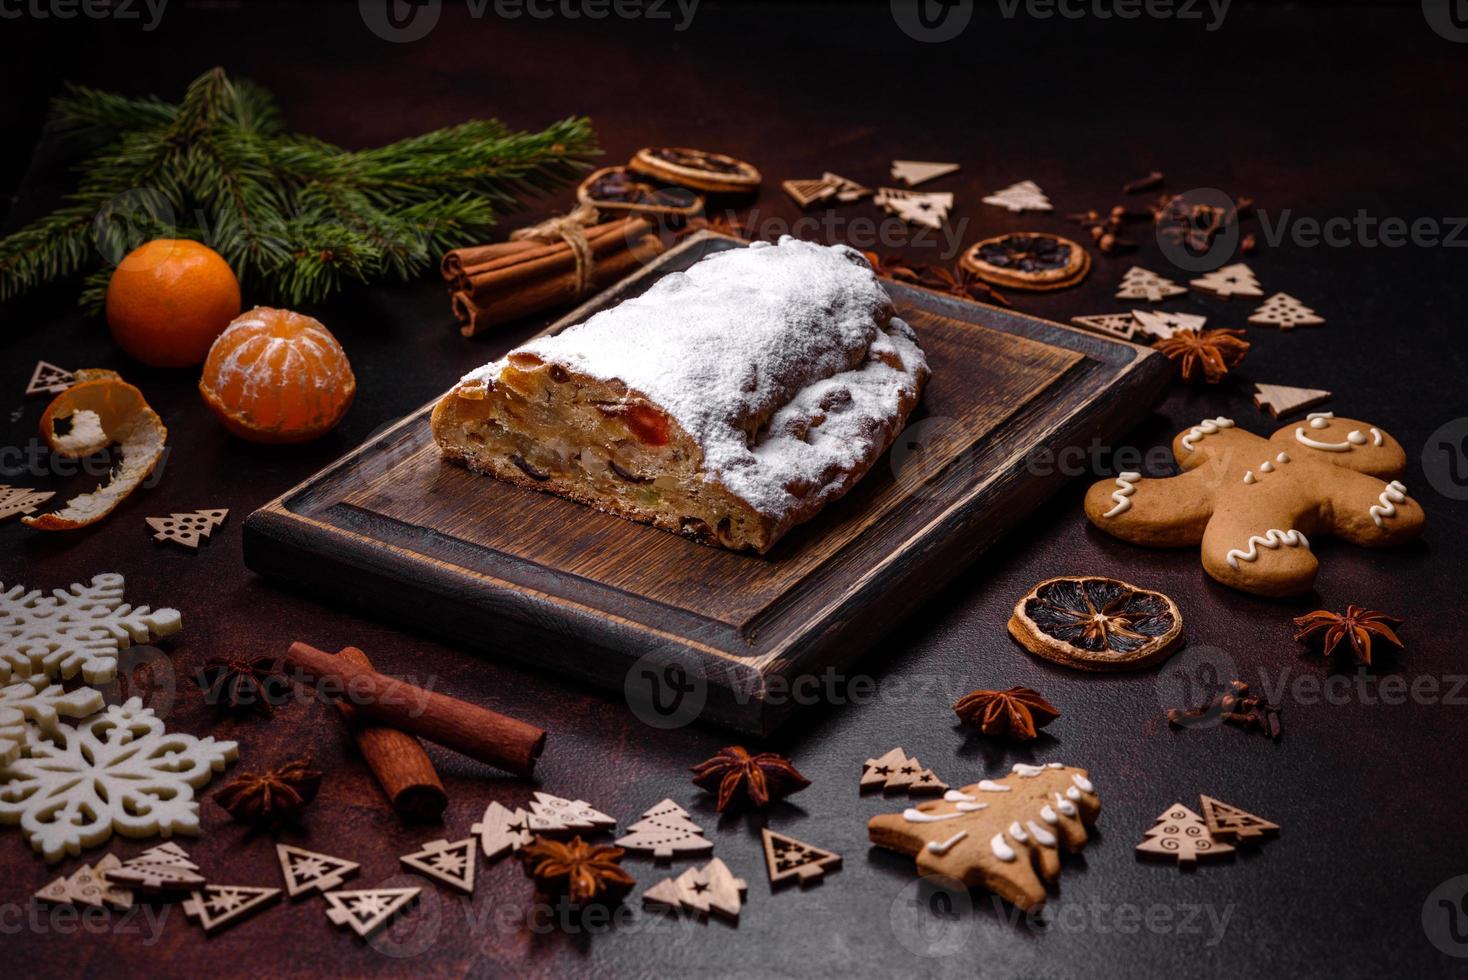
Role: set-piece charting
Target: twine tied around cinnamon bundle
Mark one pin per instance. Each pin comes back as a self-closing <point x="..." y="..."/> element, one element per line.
<point x="570" y="228"/>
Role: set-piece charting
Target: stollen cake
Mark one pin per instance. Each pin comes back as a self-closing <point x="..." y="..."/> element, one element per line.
<point x="727" y="403"/>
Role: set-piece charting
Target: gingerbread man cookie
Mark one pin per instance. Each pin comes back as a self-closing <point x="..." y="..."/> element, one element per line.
<point x="1255" y="504"/>
<point x="1004" y="835"/>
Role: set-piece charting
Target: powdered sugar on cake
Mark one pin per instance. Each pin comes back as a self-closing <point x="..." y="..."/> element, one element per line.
<point x="784" y="363"/>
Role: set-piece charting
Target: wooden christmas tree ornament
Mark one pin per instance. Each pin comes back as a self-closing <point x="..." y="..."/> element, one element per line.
<point x="551" y="814"/>
<point x="449" y="863"/>
<point x="55" y="893"/>
<point x="914" y="172"/>
<point x="165" y="868"/>
<point x="895" y="772"/>
<point x="1140" y="283"/>
<point x="914" y="207"/>
<point x="808" y="192"/>
<point x="788" y="859"/>
<point x="115" y="896"/>
<point x="1161" y="326"/>
<point x="367" y="910"/>
<point x="85" y="887"/>
<point x="307" y="871"/>
<point x="217" y="906"/>
<point x="1230" y="281"/>
<point x="666" y="830"/>
<point x="187" y="529"/>
<point x="1227" y="822"/>
<point x="1284" y="311"/>
<point x="1121" y="325"/>
<point x="847" y="191"/>
<point x="1280" y="400"/>
<point x="15" y="501"/>
<point x="502" y="830"/>
<point x="48" y="379"/>
<point x="1181" y="834"/>
<point x="711" y="888"/>
<point x="1024" y="196"/>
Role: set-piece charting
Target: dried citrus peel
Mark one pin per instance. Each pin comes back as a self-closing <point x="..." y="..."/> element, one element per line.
<point x="102" y="411"/>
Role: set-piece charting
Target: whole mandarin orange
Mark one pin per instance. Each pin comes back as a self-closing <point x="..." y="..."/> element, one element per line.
<point x="277" y="376"/>
<point x="168" y="299"/>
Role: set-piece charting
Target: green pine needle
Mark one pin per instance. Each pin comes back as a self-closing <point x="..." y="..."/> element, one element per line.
<point x="296" y="218"/>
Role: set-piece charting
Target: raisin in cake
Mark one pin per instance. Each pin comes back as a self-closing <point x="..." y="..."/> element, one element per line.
<point x="728" y="403"/>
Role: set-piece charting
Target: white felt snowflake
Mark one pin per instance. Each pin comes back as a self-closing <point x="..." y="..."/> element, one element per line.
<point x="118" y="770"/>
<point x="80" y="629"/>
<point x="41" y="704"/>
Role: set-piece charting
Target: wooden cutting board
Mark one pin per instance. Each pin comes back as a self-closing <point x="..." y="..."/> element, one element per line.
<point x="686" y="632"/>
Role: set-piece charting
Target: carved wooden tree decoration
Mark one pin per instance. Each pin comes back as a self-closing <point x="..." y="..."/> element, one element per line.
<point x="187" y="529"/>
<point x="788" y="859"/>
<point x="15" y="501"/>
<point x="914" y="172"/>
<point x="916" y="207"/>
<point x="450" y="863"/>
<point x="502" y="830"/>
<point x="1024" y="196"/>
<point x="1227" y="822"/>
<point x="1140" y="283"/>
<point x="1122" y="325"/>
<point x="1284" y="311"/>
<point x="217" y="906"/>
<point x="551" y="814"/>
<point x="307" y="871"/>
<point x="666" y="830"/>
<point x="1181" y="834"/>
<point x="895" y="772"/>
<point x="846" y="190"/>
<point x="1160" y="326"/>
<point x="810" y="191"/>
<point x="711" y="888"/>
<point x="367" y="910"/>
<point x="48" y="379"/>
<point x="1254" y="504"/>
<point x="1230" y="281"/>
<point x="1004" y="835"/>
<point x="1281" y="400"/>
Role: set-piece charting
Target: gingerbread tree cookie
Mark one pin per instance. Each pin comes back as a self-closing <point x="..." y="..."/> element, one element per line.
<point x="1254" y="504"/>
<point x="1004" y="835"/>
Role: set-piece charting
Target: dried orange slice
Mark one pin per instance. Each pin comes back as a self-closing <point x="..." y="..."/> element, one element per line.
<point x="87" y="418"/>
<point x="1094" y="623"/>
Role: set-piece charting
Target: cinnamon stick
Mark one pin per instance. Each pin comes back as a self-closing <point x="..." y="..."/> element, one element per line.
<point x="477" y="732"/>
<point x="462" y="264"/>
<point x="504" y="296"/>
<point x="397" y="759"/>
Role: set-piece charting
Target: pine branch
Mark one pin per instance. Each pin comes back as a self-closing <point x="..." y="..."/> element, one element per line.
<point x="296" y="217"/>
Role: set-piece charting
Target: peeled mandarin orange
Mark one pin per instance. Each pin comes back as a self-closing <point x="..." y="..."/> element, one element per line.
<point x="277" y="376"/>
<point x="168" y="299"/>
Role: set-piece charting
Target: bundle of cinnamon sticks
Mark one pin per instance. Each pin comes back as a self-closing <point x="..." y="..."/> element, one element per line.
<point x="494" y="284"/>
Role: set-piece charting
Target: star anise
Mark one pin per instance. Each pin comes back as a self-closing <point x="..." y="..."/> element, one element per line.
<point x="1017" y="712"/>
<point x="762" y="777"/>
<point x="1357" y="626"/>
<point x="893" y="267"/>
<point x="1205" y="353"/>
<point x="243" y="683"/>
<point x="582" y="872"/>
<point x="270" y="798"/>
<point x="960" y="282"/>
<point x="727" y="223"/>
